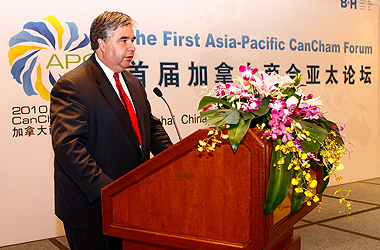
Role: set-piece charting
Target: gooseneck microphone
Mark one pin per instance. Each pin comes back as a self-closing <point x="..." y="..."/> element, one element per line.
<point x="158" y="93"/>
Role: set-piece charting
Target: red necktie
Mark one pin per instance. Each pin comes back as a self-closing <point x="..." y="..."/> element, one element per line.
<point x="129" y="107"/>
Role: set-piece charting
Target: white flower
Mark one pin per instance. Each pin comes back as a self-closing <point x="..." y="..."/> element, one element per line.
<point x="267" y="85"/>
<point x="299" y="92"/>
<point x="292" y="100"/>
<point x="312" y="102"/>
<point x="285" y="81"/>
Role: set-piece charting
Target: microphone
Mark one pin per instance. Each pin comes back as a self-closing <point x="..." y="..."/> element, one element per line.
<point x="158" y="93"/>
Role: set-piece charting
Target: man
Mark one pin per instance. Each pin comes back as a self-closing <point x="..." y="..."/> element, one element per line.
<point x="97" y="134"/>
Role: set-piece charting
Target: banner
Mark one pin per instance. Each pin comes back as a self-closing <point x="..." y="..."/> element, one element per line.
<point x="182" y="47"/>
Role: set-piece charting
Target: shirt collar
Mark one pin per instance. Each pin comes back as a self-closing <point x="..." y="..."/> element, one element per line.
<point x="107" y="71"/>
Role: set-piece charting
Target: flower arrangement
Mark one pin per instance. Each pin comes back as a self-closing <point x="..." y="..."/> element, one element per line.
<point x="303" y="139"/>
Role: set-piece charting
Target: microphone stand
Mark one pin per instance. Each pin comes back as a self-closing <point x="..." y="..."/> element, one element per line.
<point x="158" y="92"/>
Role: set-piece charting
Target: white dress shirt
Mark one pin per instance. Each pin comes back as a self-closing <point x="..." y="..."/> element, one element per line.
<point x="109" y="73"/>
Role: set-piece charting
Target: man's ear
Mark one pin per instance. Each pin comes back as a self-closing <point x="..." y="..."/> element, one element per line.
<point x="101" y="44"/>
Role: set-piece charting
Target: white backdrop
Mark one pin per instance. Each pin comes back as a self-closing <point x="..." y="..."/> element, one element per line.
<point x="174" y="34"/>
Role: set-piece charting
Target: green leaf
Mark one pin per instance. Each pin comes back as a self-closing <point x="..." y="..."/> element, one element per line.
<point x="236" y="132"/>
<point x="217" y="119"/>
<point x="329" y="126"/>
<point x="291" y="92"/>
<point x="247" y="115"/>
<point x="209" y="100"/>
<point x="279" y="180"/>
<point x="212" y="112"/>
<point x="263" y="107"/>
<point x="233" y="117"/>
<point x="296" y="201"/>
<point x="317" y="135"/>
<point x="314" y="165"/>
<point x="228" y="116"/>
<point x="323" y="184"/>
<point x="297" y="79"/>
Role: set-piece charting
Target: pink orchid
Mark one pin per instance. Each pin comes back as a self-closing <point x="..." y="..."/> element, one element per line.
<point x="232" y="89"/>
<point x="247" y="72"/>
<point x="220" y="91"/>
<point x="286" y="135"/>
<point x="245" y="84"/>
<point x="277" y="104"/>
<point x="311" y="112"/>
<point x="253" y="104"/>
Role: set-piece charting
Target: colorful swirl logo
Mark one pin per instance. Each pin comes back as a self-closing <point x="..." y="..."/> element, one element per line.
<point x="36" y="42"/>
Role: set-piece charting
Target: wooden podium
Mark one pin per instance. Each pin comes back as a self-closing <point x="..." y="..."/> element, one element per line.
<point x="186" y="199"/>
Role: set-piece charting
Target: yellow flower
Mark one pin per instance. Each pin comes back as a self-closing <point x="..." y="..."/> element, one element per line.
<point x="348" y="192"/>
<point x="295" y="181"/>
<point x="285" y="150"/>
<point x="281" y="161"/>
<point x="338" y="178"/>
<point x="332" y="160"/>
<point x="328" y="176"/>
<point x="290" y="144"/>
<point x="313" y="184"/>
<point x="210" y="132"/>
<point x="315" y="199"/>
<point x="340" y="167"/>
<point x="337" y="191"/>
<point x="307" y="176"/>
<point x="306" y="164"/>
<point x="260" y="127"/>
<point x="348" y="204"/>
<point x="308" y="193"/>
<point x="224" y="136"/>
<point x="304" y="156"/>
<point x="308" y="203"/>
<point x="298" y="190"/>
<point x="290" y="166"/>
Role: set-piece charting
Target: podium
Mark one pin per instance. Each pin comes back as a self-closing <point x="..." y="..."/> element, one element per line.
<point x="186" y="199"/>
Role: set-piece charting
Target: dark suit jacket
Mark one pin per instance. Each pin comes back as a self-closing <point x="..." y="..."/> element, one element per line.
<point x="94" y="142"/>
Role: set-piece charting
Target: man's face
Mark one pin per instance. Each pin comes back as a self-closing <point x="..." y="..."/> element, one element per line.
<point x="118" y="52"/>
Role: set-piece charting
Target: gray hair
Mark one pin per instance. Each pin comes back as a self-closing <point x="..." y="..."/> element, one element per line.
<point x="105" y="23"/>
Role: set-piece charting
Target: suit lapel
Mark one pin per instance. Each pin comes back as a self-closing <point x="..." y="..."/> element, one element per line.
<point x="113" y="99"/>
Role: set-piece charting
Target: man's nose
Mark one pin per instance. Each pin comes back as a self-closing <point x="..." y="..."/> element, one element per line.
<point x="132" y="47"/>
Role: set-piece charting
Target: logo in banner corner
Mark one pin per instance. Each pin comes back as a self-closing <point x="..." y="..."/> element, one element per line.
<point x="357" y="4"/>
<point x="42" y="52"/>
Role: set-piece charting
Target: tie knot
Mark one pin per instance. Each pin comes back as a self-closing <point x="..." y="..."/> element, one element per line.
<point x="116" y="76"/>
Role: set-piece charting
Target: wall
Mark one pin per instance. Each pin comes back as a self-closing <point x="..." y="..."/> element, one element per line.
<point x="214" y="32"/>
